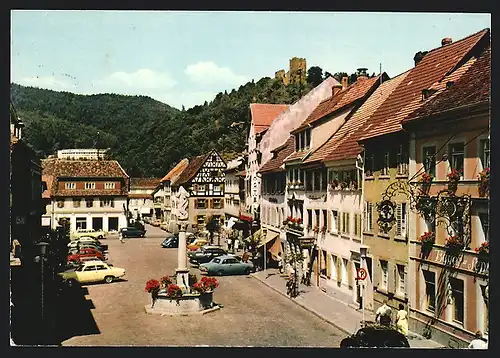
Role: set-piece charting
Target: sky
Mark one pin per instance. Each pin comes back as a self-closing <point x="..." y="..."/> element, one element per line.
<point x="186" y="58"/>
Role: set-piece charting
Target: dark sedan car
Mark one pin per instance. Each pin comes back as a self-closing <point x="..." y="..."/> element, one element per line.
<point x="132" y="232"/>
<point x="375" y="335"/>
<point x="206" y="254"/>
<point x="170" y="242"/>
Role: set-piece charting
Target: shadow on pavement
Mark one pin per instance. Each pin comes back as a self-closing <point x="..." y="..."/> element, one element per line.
<point x="74" y="315"/>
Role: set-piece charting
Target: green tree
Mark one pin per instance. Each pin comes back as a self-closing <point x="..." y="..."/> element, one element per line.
<point x="314" y="76"/>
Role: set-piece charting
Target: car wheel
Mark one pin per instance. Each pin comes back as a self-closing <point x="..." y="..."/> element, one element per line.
<point x="100" y="237"/>
<point x="247" y="271"/>
<point x="220" y="273"/>
<point x="108" y="279"/>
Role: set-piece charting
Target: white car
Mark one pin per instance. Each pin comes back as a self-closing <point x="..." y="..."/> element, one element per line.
<point x="93" y="271"/>
<point x="98" y="234"/>
<point x="83" y="239"/>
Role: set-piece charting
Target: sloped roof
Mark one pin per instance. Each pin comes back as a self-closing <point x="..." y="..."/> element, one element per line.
<point x="474" y="86"/>
<point x="406" y="98"/>
<point x="82" y="168"/>
<point x="274" y="164"/>
<point x="343" y="144"/>
<point x="175" y="171"/>
<point x="49" y="180"/>
<point x="144" y="183"/>
<point x="191" y="169"/>
<point x="264" y="114"/>
<point x="344" y="98"/>
<point x="140" y="196"/>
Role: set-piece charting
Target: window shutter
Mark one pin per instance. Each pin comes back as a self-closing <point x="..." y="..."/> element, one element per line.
<point x="347" y="224"/>
<point x="406" y="288"/>
<point x="350" y="275"/>
<point x="329" y="222"/>
<point x="365" y="213"/>
<point x="339" y="269"/>
<point x="398" y="219"/>
<point x="338" y="222"/>
<point x="376" y="272"/>
<point x="392" y="275"/>
<point x="196" y="204"/>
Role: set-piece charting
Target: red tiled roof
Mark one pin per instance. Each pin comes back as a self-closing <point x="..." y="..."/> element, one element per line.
<point x="146" y="183"/>
<point x="191" y="169"/>
<point x="472" y="87"/>
<point x="89" y="192"/>
<point x="83" y="168"/>
<point x="274" y="164"/>
<point x="48" y="179"/>
<point x="264" y="114"/>
<point x="406" y="98"/>
<point x="343" y="144"/>
<point x="175" y="171"/>
<point x="351" y="94"/>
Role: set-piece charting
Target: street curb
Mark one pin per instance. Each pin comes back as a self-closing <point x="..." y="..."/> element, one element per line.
<point x="317" y="314"/>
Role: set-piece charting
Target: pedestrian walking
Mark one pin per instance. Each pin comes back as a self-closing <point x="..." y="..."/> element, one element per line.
<point x="383" y="314"/>
<point x="402" y="320"/>
<point x="236" y="245"/>
<point x="229" y="243"/>
<point x="478" y="342"/>
<point x="120" y="237"/>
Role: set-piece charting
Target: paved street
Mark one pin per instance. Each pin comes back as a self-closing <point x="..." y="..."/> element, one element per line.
<point x="253" y="314"/>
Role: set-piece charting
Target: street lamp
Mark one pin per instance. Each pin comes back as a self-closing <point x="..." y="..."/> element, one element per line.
<point x="362" y="253"/>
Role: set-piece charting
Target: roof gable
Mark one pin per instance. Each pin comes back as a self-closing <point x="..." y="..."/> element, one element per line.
<point x="176" y="170"/>
<point x="406" y="98"/>
<point x="274" y="164"/>
<point x="262" y="114"/>
<point x="192" y="168"/>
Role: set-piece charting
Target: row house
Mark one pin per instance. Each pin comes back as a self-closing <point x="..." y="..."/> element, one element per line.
<point x="140" y="198"/>
<point x="389" y="198"/>
<point x="163" y="195"/>
<point x="90" y="194"/>
<point x="234" y="196"/>
<point x="275" y="133"/>
<point x="449" y="235"/>
<point x="332" y="181"/>
<point x="203" y="180"/>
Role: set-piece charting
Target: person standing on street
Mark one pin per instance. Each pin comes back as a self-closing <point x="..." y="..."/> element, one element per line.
<point x="383" y="314"/>
<point x="478" y="342"/>
<point x="229" y="243"/>
<point x="120" y="237"/>
<point x="236" y="245"/>
<point x="402" y="320"/>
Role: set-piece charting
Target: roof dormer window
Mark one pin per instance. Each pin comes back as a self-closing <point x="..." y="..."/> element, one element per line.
<point x="303" y="140"/>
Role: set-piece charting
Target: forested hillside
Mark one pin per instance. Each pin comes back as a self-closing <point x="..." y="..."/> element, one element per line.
<point x="146" y="136"/>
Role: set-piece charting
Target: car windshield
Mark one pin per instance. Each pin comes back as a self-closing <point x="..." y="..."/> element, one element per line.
<point x="80" y="268"/>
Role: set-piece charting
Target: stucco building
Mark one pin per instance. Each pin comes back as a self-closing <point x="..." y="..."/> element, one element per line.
<point x="140" y="196"/>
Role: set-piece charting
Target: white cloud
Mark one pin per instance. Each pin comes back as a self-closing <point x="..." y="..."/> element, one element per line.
<point x="143" y="79"/>
<point x="46" y="82"/>
<point x="208" y="73"/>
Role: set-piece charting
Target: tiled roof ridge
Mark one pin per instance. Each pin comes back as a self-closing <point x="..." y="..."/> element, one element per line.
<point x="173" y="171"/>
<point x="192" y="168"/>
<point x="485" y="30"/>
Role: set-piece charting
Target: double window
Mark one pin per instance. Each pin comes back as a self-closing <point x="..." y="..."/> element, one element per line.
<point x="89" y="185"/>
<point x="70" y="185"/>
<point x="429" y="160"/>
<point x="457" y="297"/>
<point x="109" y="185"/>
<point x="430" y="290"/>
<point x="303" y="140"/>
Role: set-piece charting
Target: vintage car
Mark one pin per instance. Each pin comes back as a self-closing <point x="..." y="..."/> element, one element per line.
<point x="92" y="271"/>
<point x="170" y="242"/>
<point x="205" y="254"/>
<point x="226" y="265"/>
<point x="85" y="252"/>
<point x="98" y="234"/>
<point x="376" y="335"/>
<point x="75" y="244"/>
<point x="132" y="232"/>
<point x="197" y="243"/>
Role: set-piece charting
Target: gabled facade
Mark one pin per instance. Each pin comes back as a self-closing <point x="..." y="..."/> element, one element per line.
<point x="386" y="191"/>
<point x="140" y="196"/>
<point x="163" y="195"/>
<point x="234" y="189"/>
<point x="449" y="297"/>
<point x="90" y="194"/>
<point x="203" y="179"/>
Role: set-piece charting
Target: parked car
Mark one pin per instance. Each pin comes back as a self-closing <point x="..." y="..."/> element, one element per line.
<point x="164" y="226"/>
<point x="84" y="240"/>
<point x="226" y="265"/>
<point x="197" y="243"/>
<point x="375" y="335"/>
<point x="170" y="242"/>
<point x="98" y="234"/>
<point x="206" y="254"/>
<point x="86" y="252"/>
<point x="92" y="271"/>
<point x="132" y="232"/>
<point x="156" y="222"/>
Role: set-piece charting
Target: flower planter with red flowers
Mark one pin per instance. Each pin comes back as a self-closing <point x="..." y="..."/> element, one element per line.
<point x="425" y="181"/>
<point x="153" y="287"/>
<point x="454" y="245"/>
<point x="334" y="184"/>
<point x="294" y="223"/>
<point x="483" y="251"/>
<point x="484" y="182"/>
<point x="453" y="179"/>
<point x="427" y="239"/>
<point x="344" y="185"/>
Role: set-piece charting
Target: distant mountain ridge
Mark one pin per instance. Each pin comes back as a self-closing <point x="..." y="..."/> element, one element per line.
<point x="146" y="136"/>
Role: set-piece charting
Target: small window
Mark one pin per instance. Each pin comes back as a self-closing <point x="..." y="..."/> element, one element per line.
<point x="370" y="164"/>
<point x="202" y="204"/>
<point x="60" y="203"/>
<point x="456" y="157"/>
<point x="457" y="296"/>
<point x="70" y="185"/>
<point x="335" y="221"/>
<point x="89" y="185"/>
<point x="401" y="279"/>
<point x="76" y="202"/>
<point x="430" y="290"/>
<point x="386" y="163"/>
<point x="429" y="160"/>
<point x="485" y="225"/>
<point x="384" y="274"/>
<point x="109" y="185"/>
<point x="368" y="216"/>
<point x="89" y="203"/>
<point x="401" y="220"/>
<point x="485" y="153"/>
<point x="402" y="159"/>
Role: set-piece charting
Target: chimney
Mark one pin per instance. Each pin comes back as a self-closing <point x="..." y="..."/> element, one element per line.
<point x="419" y="56"/>
<point x="336" y="89"/>
<point x="345" y="82"/>
<point x="446" y="41"/>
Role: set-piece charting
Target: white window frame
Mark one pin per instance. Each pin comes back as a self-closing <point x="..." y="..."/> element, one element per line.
<point x="450" y="157"/>
<point x="384" y="274"/>
<point x="482" y="235"/>
<point x="109" y="185"/>
<point x="70" y="185"/>
<point x="368" y="216"/>
<point x="400" y="288"/>
<point x="334" y="214"/>
<point x="90" y="185"/>
<point x="401" y="220"/>
<point x="425" y="302"/>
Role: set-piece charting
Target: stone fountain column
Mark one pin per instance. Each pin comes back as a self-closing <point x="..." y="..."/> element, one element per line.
<point x="182" y="270"/>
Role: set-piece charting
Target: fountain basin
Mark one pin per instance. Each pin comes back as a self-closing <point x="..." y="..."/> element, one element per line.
<point x="188" y="304"/>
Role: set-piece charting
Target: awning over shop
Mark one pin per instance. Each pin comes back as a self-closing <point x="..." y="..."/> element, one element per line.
<point x="270" y="236"/>
<point x="275" y="250"/>
<point x="231" y="222"/>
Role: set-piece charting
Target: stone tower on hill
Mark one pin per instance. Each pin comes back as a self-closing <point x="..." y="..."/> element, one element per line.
<point x="297" y="72"/>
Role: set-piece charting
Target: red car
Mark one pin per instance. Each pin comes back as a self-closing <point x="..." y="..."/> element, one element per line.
<point x="86" y="252"/>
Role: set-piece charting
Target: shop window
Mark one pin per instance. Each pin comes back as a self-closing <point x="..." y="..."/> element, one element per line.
<point x="81" y="223"/>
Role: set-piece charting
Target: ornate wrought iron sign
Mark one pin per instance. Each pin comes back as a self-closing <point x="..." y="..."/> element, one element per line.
<point x="386" y="215"/>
